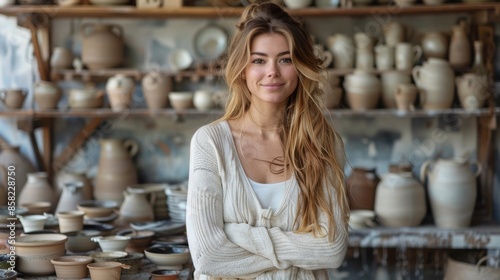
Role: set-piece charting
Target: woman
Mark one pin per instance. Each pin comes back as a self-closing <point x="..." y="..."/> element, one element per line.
<point x="266" y="196"/>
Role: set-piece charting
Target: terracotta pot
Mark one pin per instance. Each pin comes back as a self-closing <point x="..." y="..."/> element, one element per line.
<point x="452" y="191"/>
<point x="71" y="267"/>
<point x="156" y="88"/>
<point x="102" y="45"/>
<point x="11" y="156"/>
<point x="34" y="253"/>
<point x="106" y="270"/>
<point x="400" y="200"/>
<point x="37" y="189"/>
<point x="116" y="170"/>
<point x="362" y="184"/>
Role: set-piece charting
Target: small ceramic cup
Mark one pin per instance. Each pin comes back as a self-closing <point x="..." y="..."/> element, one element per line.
<point x="32" y="223"/>
<point x="70" y="221"/>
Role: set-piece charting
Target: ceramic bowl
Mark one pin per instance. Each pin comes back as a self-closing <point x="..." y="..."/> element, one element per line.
<point x="34" y="253"/>
<point x="39" y="207"/>
<point x="32" y="222"/>
<point x="96" y="208"/>
<point x="139" y="239"/>
<point x="108" y="256"/>
<point x="181" y="99"/>
<point x="106" y="270"/>
<point x="80" y="241"/>
<point x="169" y="256"/>
<point x="112" y="243"/>
<point x="180" y="59"/>
<point x="71" y="267"/>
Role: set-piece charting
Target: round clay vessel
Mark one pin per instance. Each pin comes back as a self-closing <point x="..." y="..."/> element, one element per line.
<point x="34" y="253"/>
<point x="102" y="45"/>
<point x="71" y="267"/>
<point x="106" y="270"/>
<point x="37" y="189"/>
<point x="362" y="184"/>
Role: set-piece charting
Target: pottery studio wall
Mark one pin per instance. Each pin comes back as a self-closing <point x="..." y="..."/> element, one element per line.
<point x="370" y="142"/>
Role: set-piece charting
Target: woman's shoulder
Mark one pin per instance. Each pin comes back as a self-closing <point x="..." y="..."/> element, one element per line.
<point x="215" y="131"/>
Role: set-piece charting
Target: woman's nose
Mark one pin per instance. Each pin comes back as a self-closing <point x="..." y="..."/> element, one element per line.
<point x="273" y="71"/>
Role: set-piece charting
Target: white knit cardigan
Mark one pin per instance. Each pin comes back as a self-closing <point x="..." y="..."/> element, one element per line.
<point x="231" y="237"/>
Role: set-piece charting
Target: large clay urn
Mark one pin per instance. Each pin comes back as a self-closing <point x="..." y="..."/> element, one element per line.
<point x="37" y="189"/>
<point x="116" y="170"/>
<point x="435" y="80"/>
<point x="400" y="200"/>
<point x="362" y="184"/>
<point x="102" y="45"/>
<point x="452" y="190"/>
<point x="11" y="156"/>
<point x="156" y="88"/>
<point x="362" y="90"/>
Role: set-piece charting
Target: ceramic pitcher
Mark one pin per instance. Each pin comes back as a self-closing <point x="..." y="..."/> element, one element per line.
<point x="116" y="171"/>
<point x="66" y="176"/>
<point x="435" y="80"/>
<point x="102" y="45"/>
<point x="452" y="190"/>
<point x="136" y="207"/>
<point x="72" y="194"/>
<point x="400" y="200"/>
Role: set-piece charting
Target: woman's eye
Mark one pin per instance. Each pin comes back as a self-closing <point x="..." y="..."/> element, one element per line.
<point x="258" y="61"/>
<point x="286" y="60"/>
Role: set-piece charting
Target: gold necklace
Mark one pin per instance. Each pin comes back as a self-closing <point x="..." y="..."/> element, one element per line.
<point x="261" y="127"/>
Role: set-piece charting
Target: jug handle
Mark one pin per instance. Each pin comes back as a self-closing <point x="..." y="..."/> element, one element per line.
<point x="479" y="167"/>
<point x="131" y="146"/>
<point x="424" y="169"/>
<point x="417" y="50"/>
<point x="416" y="74"/>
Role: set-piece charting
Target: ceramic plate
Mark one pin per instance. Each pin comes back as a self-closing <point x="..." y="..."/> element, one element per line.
<point x="210" y="42"/>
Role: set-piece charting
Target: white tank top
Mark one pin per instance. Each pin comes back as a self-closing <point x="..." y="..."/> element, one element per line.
<point x="269" y="195"/>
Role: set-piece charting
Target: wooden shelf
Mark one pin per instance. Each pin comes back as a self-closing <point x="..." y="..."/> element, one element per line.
<point x="229" y="12"/>
<point x="169" y="112"/>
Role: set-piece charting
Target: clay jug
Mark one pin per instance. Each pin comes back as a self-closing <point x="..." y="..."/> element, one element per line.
<point x="362" y="90"/>
<point x="435" y="44"/>
<point x="362" y="184"/>
<point x="13" y="98"/>
<point x="64" y="177"/>
<point x="459" y="53"/>
<point x="37" y="189"/>
<point x="472" y="90"/>
<point x="72" y="194"/>
<point x="342" y="48"/>
<point x="452" y="190"/>
<point x="102" y="45"/>
<point x="116" y="171"/>
<point x="156" y="88"/>
<point x="120" y="90"/>
<point x="435" y="80"/>
<point x="400" y="200"/>
<point x="11" y="156"/>
<point x="136" y="207"/>
<point x="47" y="95"/>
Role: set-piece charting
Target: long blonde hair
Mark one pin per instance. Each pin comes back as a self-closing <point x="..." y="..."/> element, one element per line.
<point x="309" y="140"/>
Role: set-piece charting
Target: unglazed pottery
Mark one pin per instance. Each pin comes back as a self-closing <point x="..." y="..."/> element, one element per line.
<point x="13" y="98"/>
<point x="472" y="90"/>
<point x="400" y="200"/>
<point x="435" y="44"/>
<point x="38" y="207"/>
<point x="342" y="48"/>
<point x="71" y="267"/>
<point x="32" y="223"/>
<point x="362" y="90"/>
<point x="70" y="221"/>
<point x="61" y="58"/>
<point x="34" y="253"/>
<point x="362" y="184"/>
<point x="37" y="188"/>
<point x="46" y="95"/>
<point x="97" y="208"/>
<point x="435" y="80"/>
<point x="459" y="54"/>
<point x="102" y="45"/>
<point x="80" y="241"/>
<point x="406" y="55"/>
<point x="203" y="100"/>
<point x="452" y="190"/>
<point x="390" y="80"/>
<point x="170" y="256"/>
<point x="136" y="207"/>
<point x="181" y="100"/>
<point x="120" y="89"/>
<point x="106" y="270"/>
<point x="83" y="98"/>
<point x="156" y="88"/>
<point x="139" y="239"/>
<point x="66" y="176"/>
<point x="71" y="195"/>
<point x="112" y="243"/>
<point x="384" y="57"/>
<point x="116" y="170"/>
<point x="405" y="96"/>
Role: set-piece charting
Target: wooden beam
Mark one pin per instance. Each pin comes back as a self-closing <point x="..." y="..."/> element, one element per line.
<point x="76" y="143"/>
<point x="47" y="129"/>
<point x="29" y="126"/>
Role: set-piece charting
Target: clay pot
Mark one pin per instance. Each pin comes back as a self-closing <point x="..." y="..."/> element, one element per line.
<point x="435" y="44"/>
<point x="70" y="221"/>
<point x="156" y="88"/>
<point x="400" y="200"/>
<point x="435" y="80"/>
<point x="37" y="189"/>
<point x="362" y="184"/>
<point x="11" y="156"/>
<point x="384" y="57"/>
<point x="71" y="267"/>
<point x="452" y="191"/>
<point x="32" y="223"/>
<point x="394" y="33"/>
<point x="120" y="90"/>
<point x="405" y="96"/>
<point x="472" y="90"/>
<point x="342" y="48"/>
<point x="116" y="170"/>
<point x="136" y="207"/>
<point x="102" y="45"/>
<point x="61" y="58"/>
<point x="362" y="90"/>
<point x="390" y="80"/>
<point x="89" y="97"/>
<point x="80" y="241"/>
<point x="459" y="53"/>
<point x="203" y="100"/>
<point x="13" y="98"/>
<point x="46" y="95"/>
<point x="106" y="270"/>
<point x="34" y="253"/>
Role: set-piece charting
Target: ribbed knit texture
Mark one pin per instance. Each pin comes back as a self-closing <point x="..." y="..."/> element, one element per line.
<point x="231" y="237"/>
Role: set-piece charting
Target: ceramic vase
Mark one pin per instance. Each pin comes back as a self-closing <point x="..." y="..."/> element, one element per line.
<point x="472" y="90"/>
<point x="36" y="189"/>
<point x="362" y="90"/>
<point x="400" y="200"/>
<point x="102" y="45"/>
<point x="452" y="191"/>
<point x="459" y="54"/>
<point x="116" y="171"/>
<point x="362" y="184"/>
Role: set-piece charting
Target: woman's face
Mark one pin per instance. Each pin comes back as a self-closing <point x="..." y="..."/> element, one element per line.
<point x="270" y="74"/>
